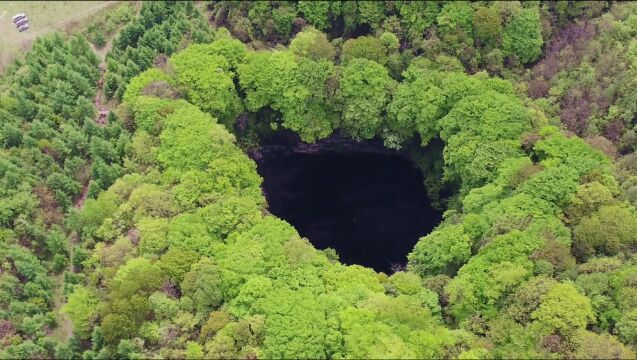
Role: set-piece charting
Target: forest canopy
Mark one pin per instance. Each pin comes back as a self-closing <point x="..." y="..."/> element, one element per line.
<point x="147" y="234"/>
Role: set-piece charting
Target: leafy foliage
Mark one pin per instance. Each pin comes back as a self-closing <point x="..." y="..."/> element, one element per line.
<point x="159" y="29"/>
<point x="179" y="257"/>
<point x="522" y="35"/>
<point x="364" y="88"/>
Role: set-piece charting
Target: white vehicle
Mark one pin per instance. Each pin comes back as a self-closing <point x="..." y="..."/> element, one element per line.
<point x="23" y="27"/>
<point x="21" y="22"/>
<point x="18" y="16"/>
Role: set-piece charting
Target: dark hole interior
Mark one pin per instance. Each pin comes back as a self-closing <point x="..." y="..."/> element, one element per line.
<point x="371" y="208"/>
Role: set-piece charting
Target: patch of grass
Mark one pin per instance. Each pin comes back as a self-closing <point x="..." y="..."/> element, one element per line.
<point x="44" y="17"/>
<point x="101" y="27"/>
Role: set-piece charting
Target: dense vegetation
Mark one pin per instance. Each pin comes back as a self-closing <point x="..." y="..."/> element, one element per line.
<point x="587" y="77"/>
<point x="174" y="254"/>
<point x="105" y="25"/>
<point x="54" y="153"/>
<point x="161" y="28"/>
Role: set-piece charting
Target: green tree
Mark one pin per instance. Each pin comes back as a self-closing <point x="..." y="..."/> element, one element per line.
<point x="137" y="84"/>
<point x="492" y="274"/>
<point x="443" y="251"/>
<point x="116" y="327"/>
<point x="522" y="35"/>
<point x="312" y="44"/>
<point x="65" y="351"/>
<point x="298" y="89"/>
<point x="417" y="16"/>
<point x="191" y="139"/>
<point x="364" y="47"/>
<point x="208" y="82"/>
<point x="137" y="276"/>
<point x="230" y="214"/>
<point x="82" y="307"/>
<point x="481" y="131"/>
<point x="317" y="13"/>
<point x="487" y="25"/>
<point x="265" y="76"/>
<point x="216" y="321"/>
<point x="455" y="28"/>
<point x="588" y="198"/>
<point x="608" y="231"/>
<point x="233" y="50"/>
<point x="194" y="350"/>
<point x="203" y="284"/>
<point x="590" y="345"/>
<point x="416" y="105"/>
<point x="189" y="232"/>
<point x="528" y="298"/>
<point x="163" y="307"/>
<point x="177" y="262"/>
<point x="627" y="327"/>
<point x="562" y="311"/>
<point x="296" y="326"/>
<point x="308" y="108"/>
<point x="365" y="90"/>
<point x="371" y="13"/>
<point x="271" y="20"/>
<point x="455" y="17"/>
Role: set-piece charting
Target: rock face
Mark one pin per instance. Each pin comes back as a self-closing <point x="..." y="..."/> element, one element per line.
<point x="285" y="143"/>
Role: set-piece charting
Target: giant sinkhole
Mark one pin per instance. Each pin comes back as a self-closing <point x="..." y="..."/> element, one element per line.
<point x="369" y="206"/>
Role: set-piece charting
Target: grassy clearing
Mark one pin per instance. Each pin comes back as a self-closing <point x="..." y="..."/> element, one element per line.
<point x="44" y="17"/>
<point x="64" y="329"/>
<point x="107" y="22"/>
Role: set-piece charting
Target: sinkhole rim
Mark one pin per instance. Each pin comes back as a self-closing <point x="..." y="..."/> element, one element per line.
<point x="277" y="156"/>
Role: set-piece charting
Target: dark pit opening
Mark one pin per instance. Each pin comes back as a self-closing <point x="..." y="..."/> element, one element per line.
<point x="370" y="207"/>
